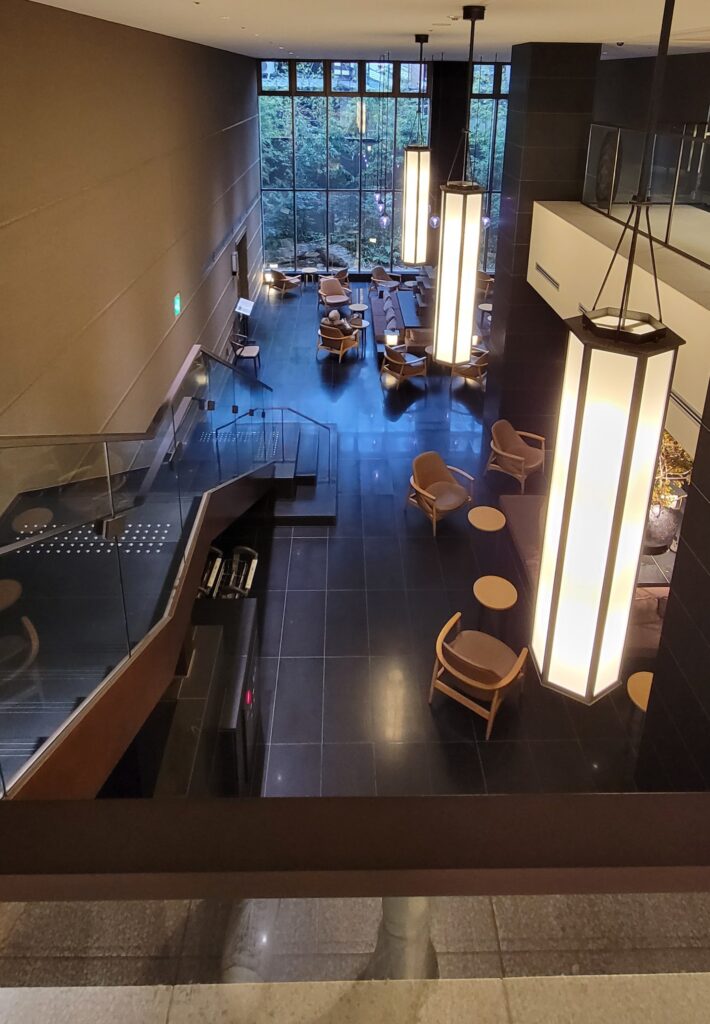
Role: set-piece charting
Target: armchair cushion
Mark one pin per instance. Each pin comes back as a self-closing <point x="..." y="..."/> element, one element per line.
<point x="509" y="441"/>
<point x="479" y="655"/>
<point x="449" y="496"/>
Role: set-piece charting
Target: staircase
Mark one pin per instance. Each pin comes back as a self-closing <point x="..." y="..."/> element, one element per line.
<point x="102" y="545"/>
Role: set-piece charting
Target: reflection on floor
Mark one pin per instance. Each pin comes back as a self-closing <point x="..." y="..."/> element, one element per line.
<point x="158" y="942"/>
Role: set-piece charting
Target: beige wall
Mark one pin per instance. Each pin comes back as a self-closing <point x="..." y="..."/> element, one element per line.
<point x="129" y="169"/>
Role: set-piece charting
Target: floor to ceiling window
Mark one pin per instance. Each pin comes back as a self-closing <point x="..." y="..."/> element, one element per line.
<point x="488" y="118"/>
<point x="332" y="140"/>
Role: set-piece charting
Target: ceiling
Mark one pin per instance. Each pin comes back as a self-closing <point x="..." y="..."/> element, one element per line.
<point x="368" y="28"/>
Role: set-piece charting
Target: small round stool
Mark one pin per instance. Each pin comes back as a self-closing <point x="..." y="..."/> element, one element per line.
<point x="32" y="520"/>
<point x="495" y="592"/>
<point x="638" y="687"/>
<point x="486" y="518"/>
<point x="10" y="592"/>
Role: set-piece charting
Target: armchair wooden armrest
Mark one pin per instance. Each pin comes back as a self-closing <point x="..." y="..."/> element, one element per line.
<point x="467" y="476"/>
<point x="516" y="459"/>
<point x="462" y="472"/>
<point x="420" y="490"/>
<point x="412" y="360"/>
<point x="533" y="437"/>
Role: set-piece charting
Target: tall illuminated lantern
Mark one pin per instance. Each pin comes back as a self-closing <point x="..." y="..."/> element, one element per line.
<point x="459" y="243"/>
<point x="618" y="374"/>
<point x="415" y="192"/>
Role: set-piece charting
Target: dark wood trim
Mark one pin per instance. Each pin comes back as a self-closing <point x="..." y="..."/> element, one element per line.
<point x="82" y="755"/>
<point x="445" y="845"/>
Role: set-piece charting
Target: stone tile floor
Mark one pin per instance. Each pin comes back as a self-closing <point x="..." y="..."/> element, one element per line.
<point x="204" y="941"/>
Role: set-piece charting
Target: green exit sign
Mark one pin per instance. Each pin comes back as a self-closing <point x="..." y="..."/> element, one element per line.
<point x="177" y="304"/>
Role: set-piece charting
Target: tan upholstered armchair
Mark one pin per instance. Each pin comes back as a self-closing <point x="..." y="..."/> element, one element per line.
<point x="381" y="281"/>
<point x="434" y="489"/>
<point x="333" y="341"/>
<point x="282" y="283"/>
<point x="475" y="669"/>
<point x="332" y="294"/>
<point x="474" y="370"/>
<point x="402" y="366"/>
<point x="512" y="454"/>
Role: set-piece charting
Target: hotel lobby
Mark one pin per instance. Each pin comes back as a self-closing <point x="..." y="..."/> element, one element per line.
<point x="355" y="460"/>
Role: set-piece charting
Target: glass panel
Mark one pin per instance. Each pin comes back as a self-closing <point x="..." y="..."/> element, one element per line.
<point x="63" y="627"/>
<point x="378" y="76"/>
<point x="309" y="76"/>
<point x="492" y="233"/>
<point x="483" y="78"/>
<point x="376" y="238"/>
<point x="309" y="116"/>
<point x="274" y="75"/>
<point x="628" y="165"/>
<point x="343" y="219"/>
<point x="481" y="139"/>
<point x="310" y="229"/>
<point x="409" y="77"/>
<point x="499" y="149"/>
<point x="276" y="141"/>
<point x="344" y="76"/>
<point x="277" y="213"/>
<point x="150" y="548"/>
<point x="397" y="233"/>
<point x="377" y="143"/>
<point x="408" y="132"/>
<point x="688" y="231"/>
<point x="505" y="78"/>
<point x="344" y="141"/>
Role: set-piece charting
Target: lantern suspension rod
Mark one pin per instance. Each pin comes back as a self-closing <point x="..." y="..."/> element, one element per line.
<point x="420" y="38"/>
<point x="642" y="197"/>
<point x="472" y="13"/>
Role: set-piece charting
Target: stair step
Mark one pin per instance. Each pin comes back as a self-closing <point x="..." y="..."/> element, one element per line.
<point x="307" y="460"/>
<point x="314" y="504"/>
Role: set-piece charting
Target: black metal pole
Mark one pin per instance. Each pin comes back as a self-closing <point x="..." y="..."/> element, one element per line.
<point x="473" y="14"/>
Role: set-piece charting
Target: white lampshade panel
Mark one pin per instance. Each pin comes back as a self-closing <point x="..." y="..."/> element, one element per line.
<point x="459" y="241"/>
<point x="415" y="204"/>
<point x="612" y="411"/>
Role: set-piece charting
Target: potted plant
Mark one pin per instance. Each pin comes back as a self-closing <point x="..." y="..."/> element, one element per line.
<point x="665" y="511"/>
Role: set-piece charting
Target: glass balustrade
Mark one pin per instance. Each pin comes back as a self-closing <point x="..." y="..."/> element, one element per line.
<point x="92" y="538"/>
<point x="680" y="183"/>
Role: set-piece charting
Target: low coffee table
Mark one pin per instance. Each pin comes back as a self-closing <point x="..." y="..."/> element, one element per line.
<point x="309" y="274"/>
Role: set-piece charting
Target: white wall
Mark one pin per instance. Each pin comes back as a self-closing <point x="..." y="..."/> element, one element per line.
<point x="574" y="246"/>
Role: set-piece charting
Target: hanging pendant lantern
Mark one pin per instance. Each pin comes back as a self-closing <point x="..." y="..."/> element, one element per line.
<point x="617" y="380"/>
<point x="415" y="194"/>
<point x="459" y="244"/>
<point x="613" y="407"/>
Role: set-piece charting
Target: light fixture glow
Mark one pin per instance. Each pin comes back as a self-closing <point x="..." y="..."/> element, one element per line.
<point x="459" y="242"/>
<point x="612" y="410"/>
<point x="415" y="204"/>
<point x="455" y="318"/>
<point x="415" y="195"/>
<point x="391" y="338"/>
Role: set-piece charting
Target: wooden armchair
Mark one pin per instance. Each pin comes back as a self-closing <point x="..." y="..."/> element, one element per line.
<point x="434" y="488"/>
<point x="474" y="370"/>
<point x="282" y="283"/>
<point x="475" y="669"/>
<point x="512" y="454"/>
<point x="402" y="366"/>
<point x="240" y="350"/>
<point x="335" y="343"/>
<point x="332" y="294"/>
<point x="382" y="281"/>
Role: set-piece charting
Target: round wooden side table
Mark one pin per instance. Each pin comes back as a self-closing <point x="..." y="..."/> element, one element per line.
<point x="495" y="592"/>
<point x="32" y="520"/>
<point x="10" y="592"/>
<point x="638" y="687"/>
<point x="486" y="518"/>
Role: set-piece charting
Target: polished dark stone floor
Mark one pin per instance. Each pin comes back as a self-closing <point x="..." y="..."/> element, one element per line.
<point x="349" y="613"/>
